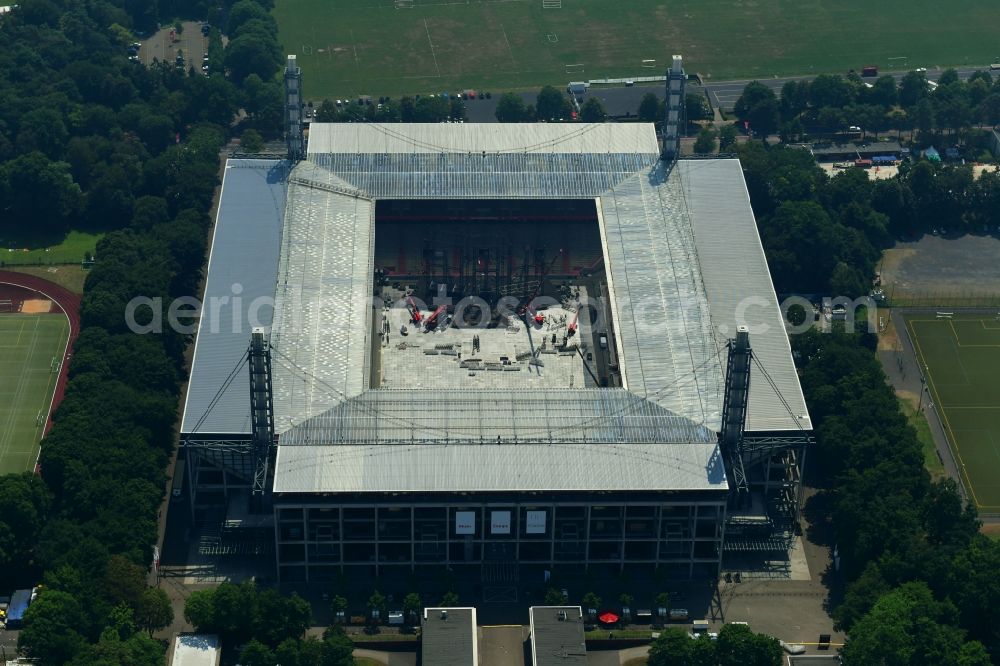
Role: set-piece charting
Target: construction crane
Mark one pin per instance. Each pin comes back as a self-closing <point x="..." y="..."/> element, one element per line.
<point x="571" y="327"/>
<point x="526" y="309"/>
<point x="432" y="319"/>
<point x="415" y="315"/>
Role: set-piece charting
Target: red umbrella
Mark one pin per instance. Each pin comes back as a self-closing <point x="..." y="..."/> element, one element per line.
<point x="608" y="618"/>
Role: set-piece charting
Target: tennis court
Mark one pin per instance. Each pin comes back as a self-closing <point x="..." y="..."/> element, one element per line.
<point x="31" y="352"/>
<point x="960" y="355"/>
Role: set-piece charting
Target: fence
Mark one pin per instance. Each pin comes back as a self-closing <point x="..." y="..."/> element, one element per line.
<point x="944" y="298"/>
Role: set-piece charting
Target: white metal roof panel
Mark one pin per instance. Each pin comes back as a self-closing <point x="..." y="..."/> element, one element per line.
<point x="241" y="269"/>
<point x="739" y="288"/>
<point x="498" y="467"/>
<point x="520" y="138"/>
<point x="319" y="339"/>
<point x="196" y="650"/>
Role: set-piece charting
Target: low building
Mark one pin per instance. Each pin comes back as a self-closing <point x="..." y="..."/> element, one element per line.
<point x="448" y="637"/>
<point x="196" y="650"/>
<point x="557" y="636"/>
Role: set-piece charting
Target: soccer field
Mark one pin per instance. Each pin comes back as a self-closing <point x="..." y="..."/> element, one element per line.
<point x="392" y="47"/>
<point x="31" y="349"/>
<point x="962" y="361"/>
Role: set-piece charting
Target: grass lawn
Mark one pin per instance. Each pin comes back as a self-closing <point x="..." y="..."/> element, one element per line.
<point x="919" y="423"/>
<point x="70" y="276"/>
<point x="29" y="344"/>
<point x="364" y="661"/>
<point x="962" y="360"/>
<point x="390" y="47"/>
<point x="71" y="250"/>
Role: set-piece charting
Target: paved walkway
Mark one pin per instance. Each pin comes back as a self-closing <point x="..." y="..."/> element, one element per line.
<point x="904" y="373"/>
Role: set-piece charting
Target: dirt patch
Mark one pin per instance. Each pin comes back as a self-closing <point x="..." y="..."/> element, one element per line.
<point x="888" y="339"/>
<point x="36" y="306"/>
<point x="992" y="530"/>
<point x="943" y="268"/>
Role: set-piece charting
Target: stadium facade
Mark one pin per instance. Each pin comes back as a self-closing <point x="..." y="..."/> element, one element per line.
<point x="623" y="469"/>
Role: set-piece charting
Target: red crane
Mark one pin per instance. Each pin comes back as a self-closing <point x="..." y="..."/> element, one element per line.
<point x="415" y="315"/>
<point x="571" y="329"/>
<point x="432" y="319"/>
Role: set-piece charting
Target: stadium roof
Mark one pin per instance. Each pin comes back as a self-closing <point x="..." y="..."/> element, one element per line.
<point x="683" y="259"/>
<point x="243" y="262"/>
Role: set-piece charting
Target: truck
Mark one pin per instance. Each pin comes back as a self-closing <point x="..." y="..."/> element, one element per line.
<point x="19" y="602"/>
<point x="869" y="70"/>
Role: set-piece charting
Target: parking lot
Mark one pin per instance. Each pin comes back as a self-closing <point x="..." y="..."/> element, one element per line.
<point x="161" y="47"/>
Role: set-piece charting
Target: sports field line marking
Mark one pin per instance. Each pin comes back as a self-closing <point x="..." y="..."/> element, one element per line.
<point x="8" y="435"/>
<point x="428" y="30"/>
<point x="952" y="441"/>
<point x="509" y="50"/>
<point x="48" y="384"/>
<point x="954" y="332"/>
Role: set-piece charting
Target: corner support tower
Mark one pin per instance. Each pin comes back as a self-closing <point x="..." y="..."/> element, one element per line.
<point x="734" y="409"/>
<point x="293" y="110"/>
<point x="673" y="122"/>
<point x="261" y="410"/>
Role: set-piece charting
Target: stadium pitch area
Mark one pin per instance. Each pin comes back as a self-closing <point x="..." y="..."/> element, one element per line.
<point x="390" y="47"/>
<point x="961" y="356"/>
<point x="31" y="351"/>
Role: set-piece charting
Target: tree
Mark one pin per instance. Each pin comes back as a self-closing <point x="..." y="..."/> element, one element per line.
<point x="912" y="88"/>
<point x="449" y="600"/>
<point x="591" y="600"/>
<point x="251" y="141"/>
<point x="412" y="605"/>
<point x="377" y="602"/>
<point x="123" y="581"/>
<point x="662" y="600"/>
<point x="705" y="143"/>
<point x="830" y="90"/>
<point x="338" y="649"/>
<point x="626" y="599"/>
<point x="338" y="605"/>
<point x="739" y="646"/>
<point x="905" y="626"/>
<point x="38" y="194"/>
<point x="51" y="632"/>
<point x="727" y="138"/>
<point x="243" y="11"/>
<point x="593" y="111"/>
<point x="510" y="109"/>
<point x="199" y="609"/>
<point x="154" y="611"/>
<point x="551" y="104"/>
<point x="248" y="55"/>
<point x="696" y="107"/>
<point x="674" y="647"/>
<point x="649" y="108"/>
<point x="759" y="107"/>
<point x="26" y="503"/>
<point x="555" y="597"/>
<point x="256" y="654"/>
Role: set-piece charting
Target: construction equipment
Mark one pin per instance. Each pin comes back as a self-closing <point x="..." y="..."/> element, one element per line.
<point x="415" y="315"/>
<point x="527" y="309"/>
<point x="432" y="319"/>
<point x="571" y="328"/>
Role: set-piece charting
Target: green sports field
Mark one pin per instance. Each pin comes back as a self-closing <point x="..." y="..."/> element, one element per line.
<point x="31" y="347"/>
<point x="962" y="360"/>
<point x="376" y="47"/>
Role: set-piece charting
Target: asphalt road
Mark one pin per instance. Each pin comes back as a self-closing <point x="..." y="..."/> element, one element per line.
<point x="622" y="101"/>
<point x="725" y="93"/>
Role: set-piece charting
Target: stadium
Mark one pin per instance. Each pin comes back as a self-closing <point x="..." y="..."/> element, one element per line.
<point x="490" y="346"/>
